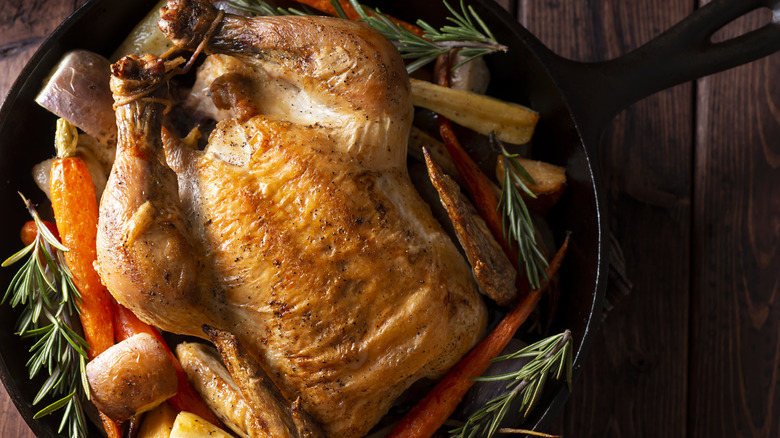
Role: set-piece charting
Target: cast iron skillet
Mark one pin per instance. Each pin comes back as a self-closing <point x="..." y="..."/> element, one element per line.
<point x="575" y="100"/>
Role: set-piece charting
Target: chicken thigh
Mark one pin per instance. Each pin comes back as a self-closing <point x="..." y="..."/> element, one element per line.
<point x="297" y="229"/>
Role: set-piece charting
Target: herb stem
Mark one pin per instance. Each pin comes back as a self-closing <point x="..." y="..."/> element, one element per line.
<point x="43" y="285"/>
<point x="466" y="31"/>
<point x="550" y="357"/>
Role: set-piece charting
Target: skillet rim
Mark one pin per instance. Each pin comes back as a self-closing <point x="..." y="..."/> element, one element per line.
<point x="546" y="415"/>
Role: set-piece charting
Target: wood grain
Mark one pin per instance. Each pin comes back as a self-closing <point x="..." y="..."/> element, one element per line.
<point x="692" y="175"/>
<point x="24" y="24"/>
<point x="735" y="320"/>
<point x="635" y="381"/>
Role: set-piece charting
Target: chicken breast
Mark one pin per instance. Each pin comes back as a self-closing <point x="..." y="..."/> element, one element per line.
<point x="297" y="230"/>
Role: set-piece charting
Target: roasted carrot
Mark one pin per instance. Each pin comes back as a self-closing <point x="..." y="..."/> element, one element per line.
<point x="112" y="428"/>
<point x="186" y="399"/>
<point x="326" y="7"/>
<point x="76" y="214"/>
<point x="30" y="231"/>
<point x="430" y="413"/>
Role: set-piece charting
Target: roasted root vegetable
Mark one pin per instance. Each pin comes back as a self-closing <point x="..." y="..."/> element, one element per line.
<point x="492" y="270"/>
<point x="186" y="399"/>
<point x="77" y="90"/>
<point x="510" y="122"/>
<point x="419" y="139"/>
<point x="281" y="418"/>
<point x="430" y="413"/>
<point x="472" y="76"/>
<point x="326" y="6"/>
<point x="131" y="377"/>
<point x="144" y="38"/>
<point x="30" y="231"/>
<point x="76" y="214"/>
<point x="549" y="182"/>
<point x="213" y="381"/>
<point x="87" y="149"/>
<point x="189" y="425"/>
<point x="158" y="423"/>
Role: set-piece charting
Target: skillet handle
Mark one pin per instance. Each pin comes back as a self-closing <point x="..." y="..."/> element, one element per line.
<point x="597" y="91"/>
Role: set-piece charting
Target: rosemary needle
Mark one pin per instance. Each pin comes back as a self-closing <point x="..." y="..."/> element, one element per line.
<point x="43" y="285"/>
<point x="517" y="221"/>
<point x="466" y="31"/>
<point x="550" y="357"/>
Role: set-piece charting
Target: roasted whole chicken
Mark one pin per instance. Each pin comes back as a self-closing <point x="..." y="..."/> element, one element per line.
<point x="297" y="230"/>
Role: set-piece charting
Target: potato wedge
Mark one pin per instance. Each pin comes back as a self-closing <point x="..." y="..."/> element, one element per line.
<point x="511" y="123"/>
<point x="189" y="425"/>
<point x="549" y="182"/>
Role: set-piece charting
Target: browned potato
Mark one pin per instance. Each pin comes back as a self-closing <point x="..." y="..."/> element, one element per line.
<point x="131" y="377"/>
<point x="549" y="182"/>
<point x="77" y="90"/>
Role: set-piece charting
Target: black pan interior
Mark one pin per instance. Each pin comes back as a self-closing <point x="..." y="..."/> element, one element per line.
<point x="26" y="137"/>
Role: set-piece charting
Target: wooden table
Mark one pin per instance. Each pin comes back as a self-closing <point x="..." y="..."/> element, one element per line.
<point x="693" y="176"/>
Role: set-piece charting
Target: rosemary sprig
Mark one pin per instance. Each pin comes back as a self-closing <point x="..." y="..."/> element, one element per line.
<point x="549" y="357"/>
<point x="44" y="286"/>
<point x="517" y="221"/>
<point x="466" y="33"/>
<point x="259" y="7"/>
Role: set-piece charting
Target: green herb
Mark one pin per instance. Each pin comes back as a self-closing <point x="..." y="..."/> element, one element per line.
<point x="518" y="224"/>
<point x="466" y="32"/>
<point x="549" y="357"/>
<point x="259" y="7"/>
<point x="43" y="286"/>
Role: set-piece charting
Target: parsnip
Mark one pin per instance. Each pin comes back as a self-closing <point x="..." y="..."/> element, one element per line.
<point x="189" y="425"/>
<point x="511" y="123"/>
<point x="419" y="139"/>
<point x="158" y="423"/>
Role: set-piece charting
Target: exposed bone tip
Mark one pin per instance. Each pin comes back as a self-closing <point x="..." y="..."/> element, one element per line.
<point x="133" y="74"/>
<point x="187" y="22"/>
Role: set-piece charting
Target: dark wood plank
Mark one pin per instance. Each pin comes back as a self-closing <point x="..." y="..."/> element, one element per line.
<point x="694" y="350"/>
<point x="735" y="320"/>
<point x="11" y="422"/>
<point x="634" y="383"/>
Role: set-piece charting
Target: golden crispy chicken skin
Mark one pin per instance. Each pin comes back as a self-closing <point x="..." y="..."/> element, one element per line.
<point x="297" y="230"/>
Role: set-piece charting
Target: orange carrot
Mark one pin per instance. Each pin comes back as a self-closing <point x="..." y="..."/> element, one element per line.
<point x="186" y="399"/>
<point x="431" y="412"/>
<point x="326" y="7"/>
<point x="76" y="214"/>
<point x="30" y="231"/>
<point x="110" y="426"/>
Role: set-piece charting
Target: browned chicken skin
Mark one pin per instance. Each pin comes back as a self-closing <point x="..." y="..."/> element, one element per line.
<point x="296" y="230"/>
